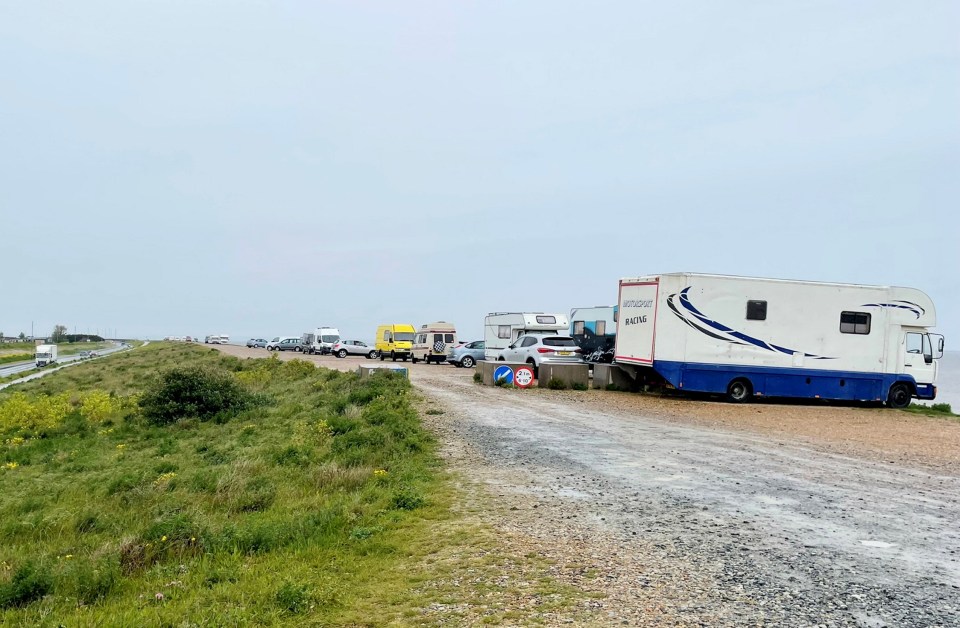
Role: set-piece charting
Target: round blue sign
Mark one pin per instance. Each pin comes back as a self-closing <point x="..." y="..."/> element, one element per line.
<point x="503" y="373"/>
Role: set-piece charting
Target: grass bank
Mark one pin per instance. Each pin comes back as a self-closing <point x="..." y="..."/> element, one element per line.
<point x="297" y="495"/>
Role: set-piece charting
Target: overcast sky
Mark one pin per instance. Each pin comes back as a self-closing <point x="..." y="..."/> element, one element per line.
<point x="261" y="168"/>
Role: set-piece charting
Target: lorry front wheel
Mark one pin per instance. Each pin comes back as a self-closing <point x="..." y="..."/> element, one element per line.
<point x="739" y="391"/>
<point x="900" y="396"/>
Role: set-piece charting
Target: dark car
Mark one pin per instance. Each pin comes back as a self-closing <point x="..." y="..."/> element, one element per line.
<point x="290" y="344"/>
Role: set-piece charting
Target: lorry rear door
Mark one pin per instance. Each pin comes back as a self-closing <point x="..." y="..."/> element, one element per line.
<point x="636" y="327"/>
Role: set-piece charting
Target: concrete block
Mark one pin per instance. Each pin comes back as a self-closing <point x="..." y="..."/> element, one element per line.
<point x="570" y="374"/>
<point x="487" y="368"/>
<point x="607" y="374"/>
<point x="366" y="370"/>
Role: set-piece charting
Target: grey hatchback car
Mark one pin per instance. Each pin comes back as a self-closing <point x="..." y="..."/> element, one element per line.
<point x="467" y="354"/>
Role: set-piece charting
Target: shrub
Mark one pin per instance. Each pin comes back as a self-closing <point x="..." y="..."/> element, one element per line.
<point x="29" y="583"/>
<point x="478" y="377"/>
<point x="942" y="408"/>
<point x="578" y="386"/>
<point x="407" y="499"/>
<point x="193" y="392"/>
<point x="555" y="383"/>
<point x="292" y="598"/>
<point x="613" y="388"/>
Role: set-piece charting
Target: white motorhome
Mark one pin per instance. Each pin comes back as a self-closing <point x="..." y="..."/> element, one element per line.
<point x="500" y="329"/>
<point x="321" y="340"/>
<point x="46" y="355"/>
<point x="745" y="336"/>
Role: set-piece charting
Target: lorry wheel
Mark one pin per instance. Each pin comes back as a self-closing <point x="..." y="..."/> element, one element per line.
<point x="466" y="362"/>
<point x="739" y="391"/>
<point x="900" y="396"/>
<point x="393" y="356"/>
<point x="382" y="357"/>
<point x="342" y="353"/>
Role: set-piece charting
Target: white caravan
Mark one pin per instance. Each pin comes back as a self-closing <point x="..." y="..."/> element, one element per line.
<point x="500" y="329"/>
<point x="745" y="336"/>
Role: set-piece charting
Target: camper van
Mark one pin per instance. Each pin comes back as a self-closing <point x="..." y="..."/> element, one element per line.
<point x="321" y="340"/>
<point x="434" y="342"/>
<point x="748" y="337"/>
<point x="595" y="330"/>
<point x="395" y="341"/>
<point x="500" y="329"/>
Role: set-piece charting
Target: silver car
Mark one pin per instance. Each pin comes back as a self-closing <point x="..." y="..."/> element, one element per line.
<point x="343" y="348"/>
<point x="535" y="349"/>
<point x="467" y="354"/>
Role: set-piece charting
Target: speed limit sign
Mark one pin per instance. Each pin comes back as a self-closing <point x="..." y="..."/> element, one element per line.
<point x="523" y="376"/>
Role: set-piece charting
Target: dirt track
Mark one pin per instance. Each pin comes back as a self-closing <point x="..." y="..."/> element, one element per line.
<point x="700" y="512"/>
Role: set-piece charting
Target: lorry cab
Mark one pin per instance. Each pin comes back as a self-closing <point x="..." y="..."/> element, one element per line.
<point x="395" y="341"/>
<point x="918" y="352"/>
<point x="434" y="342"/>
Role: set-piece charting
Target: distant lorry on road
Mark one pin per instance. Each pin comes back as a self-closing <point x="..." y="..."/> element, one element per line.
<point x="500" y="329"/>
<point x="749" y="337"/>
<point x="46" y="355"/>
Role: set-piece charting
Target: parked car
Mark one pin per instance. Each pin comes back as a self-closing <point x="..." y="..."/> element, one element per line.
<point x="272" y="345"/>
<point x="535" y="349"/>
<point x="344" y="348"/>
<point x="467" y="355"/>
<point x="256" y="343"/>
<point x="289" y="344"/>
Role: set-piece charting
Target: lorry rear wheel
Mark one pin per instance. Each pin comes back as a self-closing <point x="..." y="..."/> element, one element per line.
<point x="739" y="391"/>
<point x="899" y="396"/>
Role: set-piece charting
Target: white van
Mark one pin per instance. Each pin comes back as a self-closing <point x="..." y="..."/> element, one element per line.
<point x="321" y="340"/>
<point x="434" y="342"/>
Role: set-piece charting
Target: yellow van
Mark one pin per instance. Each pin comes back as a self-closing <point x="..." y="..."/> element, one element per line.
<point x="395" y="341"/>
<point x="434" y="342"/>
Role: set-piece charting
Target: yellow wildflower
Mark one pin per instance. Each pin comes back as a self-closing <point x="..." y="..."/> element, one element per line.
<point x="11" y="465"/>
<point x="163" y="538"/>
<point x="380" y="473"/>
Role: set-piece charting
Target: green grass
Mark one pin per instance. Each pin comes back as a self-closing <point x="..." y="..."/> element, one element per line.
<point x="935" y="409"/>
<point x="15" y="357"/>
<point x="323" y="503"/>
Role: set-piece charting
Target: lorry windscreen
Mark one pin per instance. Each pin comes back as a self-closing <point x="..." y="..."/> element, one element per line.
<point x="402" y="336"/>
<point x="330" y="339"/>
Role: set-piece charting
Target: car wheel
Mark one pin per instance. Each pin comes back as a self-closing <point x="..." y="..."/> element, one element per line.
<point x="739" y="391"/>
<point x="533" y="366"/>
<point x="466" y="362"/>
<point x="501" y="359"/>
<point x="900" y="396"/>
<point x="298" y="350"/>
<point x="342" y="353"/>
<point x="372" y="355"/>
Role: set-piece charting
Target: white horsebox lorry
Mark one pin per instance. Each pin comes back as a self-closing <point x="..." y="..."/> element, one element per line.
<point x="745" y="337"/>
<point x="501" y="329"/>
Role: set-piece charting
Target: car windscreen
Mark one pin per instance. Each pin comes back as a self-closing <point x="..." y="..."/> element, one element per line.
<point x="559" y="342"/>
<point x="403" y="336"/>
<point x="330" y="338"/>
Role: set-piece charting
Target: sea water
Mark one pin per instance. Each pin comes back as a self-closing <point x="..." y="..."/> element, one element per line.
<point x="948" y="380"/>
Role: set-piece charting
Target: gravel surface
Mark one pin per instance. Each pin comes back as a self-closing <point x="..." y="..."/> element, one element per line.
<point x="698" y="513"/>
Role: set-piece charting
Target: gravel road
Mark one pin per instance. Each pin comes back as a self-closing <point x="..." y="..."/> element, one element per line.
<point x="689" y="522"/>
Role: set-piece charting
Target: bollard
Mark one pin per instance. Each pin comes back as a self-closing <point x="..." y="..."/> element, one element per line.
<point x="569" y="374"/>
<point x="365" y="371"/>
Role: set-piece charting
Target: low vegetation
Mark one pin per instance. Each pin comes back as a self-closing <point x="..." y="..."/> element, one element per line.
<point x="174" y="485"/>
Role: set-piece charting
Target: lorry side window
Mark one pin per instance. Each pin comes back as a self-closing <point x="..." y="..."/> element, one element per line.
<point x="503" y="331"/>
<point x="914" y="343"/>
<point x="547" y="320"/>
<point x="387" y="337"/>
<point x="438" y="337"/>
<point x="601" y="328"/>
<point x="578" y="328"/>
<point x="854" y="323"/>
<point x="448" y="337"/>
<point x="756" y="310"/>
